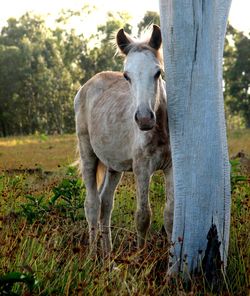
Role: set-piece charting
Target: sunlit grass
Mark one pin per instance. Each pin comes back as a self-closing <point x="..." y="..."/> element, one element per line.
<point x="39" y="151"/>
<point x="239" y="141"/>
<point x="49" y="152"/>
<point x="39" y="138"/>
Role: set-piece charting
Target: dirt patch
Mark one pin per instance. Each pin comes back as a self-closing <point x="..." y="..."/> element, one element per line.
<point x="244" y="160"/>
<point x="30" y="171"/>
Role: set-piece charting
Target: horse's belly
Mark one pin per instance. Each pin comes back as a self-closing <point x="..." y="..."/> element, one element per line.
<point x="118" y="165"/>
<point x="115" y="152"/>
<point x="115" y="162"/>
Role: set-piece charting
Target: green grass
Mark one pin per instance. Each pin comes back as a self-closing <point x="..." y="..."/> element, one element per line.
<point x="50" y="240"/>
<point x="44" y="239"/>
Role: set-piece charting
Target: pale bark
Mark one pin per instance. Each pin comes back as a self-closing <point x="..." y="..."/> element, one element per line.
<point x="193" y="38"/>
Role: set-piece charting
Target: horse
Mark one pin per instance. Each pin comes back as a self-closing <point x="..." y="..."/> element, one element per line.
<point x="122" y="125"/>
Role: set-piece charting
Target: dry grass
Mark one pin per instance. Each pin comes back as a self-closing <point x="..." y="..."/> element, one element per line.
<point x="49" y="241"/>
<point x="239" y="141"/>
<point x="47" y="152"/>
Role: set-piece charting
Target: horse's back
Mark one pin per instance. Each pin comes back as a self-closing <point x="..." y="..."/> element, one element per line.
<point x="96" y="92"/>
<point x="96" y="86"/>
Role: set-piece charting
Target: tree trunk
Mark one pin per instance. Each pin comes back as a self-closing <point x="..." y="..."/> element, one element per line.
<point x="3" y="128"/>
<point x="193" y="40"/>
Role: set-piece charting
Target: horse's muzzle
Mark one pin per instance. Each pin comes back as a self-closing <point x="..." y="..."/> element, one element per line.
<point x="145" y="122"/>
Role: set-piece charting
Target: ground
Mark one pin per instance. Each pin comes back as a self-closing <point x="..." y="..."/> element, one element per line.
<point x="43" y="232"/>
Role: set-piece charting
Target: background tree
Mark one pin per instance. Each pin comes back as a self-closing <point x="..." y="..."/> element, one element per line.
<point x="237" y="73"/>
<point x="150" y="17"/>
<point x="37" y="85"/>
<point x="41" y="68"/>
<point x="11" y="65"/>
<point x="102" y="56"/>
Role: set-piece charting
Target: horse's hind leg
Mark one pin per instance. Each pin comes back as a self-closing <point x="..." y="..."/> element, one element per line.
<point x="92" y="203"/>
<point x="143" y="213"/>
<point x="111" y="180"/>
<point x="169" y="207"/>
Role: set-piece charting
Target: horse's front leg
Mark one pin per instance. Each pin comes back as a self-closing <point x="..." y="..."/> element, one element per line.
<point x="92" y="203"/>
<point x="112" y="179"/>
<point x="143" y="213"/>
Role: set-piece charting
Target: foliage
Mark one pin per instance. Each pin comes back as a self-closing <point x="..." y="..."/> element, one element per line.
<point x="239" y="247"/>
<point x="102" y="56"/>
<point x="34" y="208"/>
<point x="236" y="176"/>
<point x="8" y="280"/>
<point x="150" y="17"/>
<point x="36" y="87"/>
<point x="67" y="198"/>
<point x="41" y="69"/>
<point x="70" y="193"/>
<point x="237" y="73"/>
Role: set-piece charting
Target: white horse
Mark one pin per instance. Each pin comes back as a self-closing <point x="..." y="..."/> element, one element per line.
<point x="121" y="125"/>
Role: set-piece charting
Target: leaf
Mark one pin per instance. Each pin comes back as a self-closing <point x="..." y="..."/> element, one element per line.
<point x="8" y="280"/>
<point x="30" y="197"/>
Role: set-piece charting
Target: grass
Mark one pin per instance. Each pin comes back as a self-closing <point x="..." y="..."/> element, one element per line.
<point x="49" y="152"/>
<point x="239" y="141"/>
<point x="43" y="233"/>
<point x="39" y="151"/>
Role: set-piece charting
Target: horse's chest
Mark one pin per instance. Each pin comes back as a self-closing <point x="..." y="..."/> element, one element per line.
<point x="154" y="151"/>
<point x="159" y="156"/>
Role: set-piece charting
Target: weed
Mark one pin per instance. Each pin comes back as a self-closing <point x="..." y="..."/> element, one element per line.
<point x="71" y="194"/>
<point x="8" y="280"/>
<point x="35" y="208"/>
<point x="236" y="176"/>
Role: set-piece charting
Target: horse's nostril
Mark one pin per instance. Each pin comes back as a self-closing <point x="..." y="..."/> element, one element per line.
<point x="152" y="116"/>
<point x="136" y="116"/>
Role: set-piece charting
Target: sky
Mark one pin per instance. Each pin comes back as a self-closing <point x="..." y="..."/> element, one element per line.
<point x="239" y="15"/>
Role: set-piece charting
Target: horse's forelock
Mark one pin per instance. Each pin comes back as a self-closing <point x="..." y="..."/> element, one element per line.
<point x="142" y="46"/>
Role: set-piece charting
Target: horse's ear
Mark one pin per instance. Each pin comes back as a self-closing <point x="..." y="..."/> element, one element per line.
<point x="123" y="40"/>
<point x="155" y="39"/>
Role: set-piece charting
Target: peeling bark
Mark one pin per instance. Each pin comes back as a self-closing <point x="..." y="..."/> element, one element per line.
<point x="211" y="263"/>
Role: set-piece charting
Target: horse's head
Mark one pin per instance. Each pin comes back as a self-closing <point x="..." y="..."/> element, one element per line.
<point x="142" y="70"/>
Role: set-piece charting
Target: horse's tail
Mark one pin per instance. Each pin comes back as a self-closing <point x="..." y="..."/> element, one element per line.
<point x="100" y="174"/>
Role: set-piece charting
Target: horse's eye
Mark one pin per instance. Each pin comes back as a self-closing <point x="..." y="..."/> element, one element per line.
<point x="157" y="75"/>
<point x="126" y="77"/>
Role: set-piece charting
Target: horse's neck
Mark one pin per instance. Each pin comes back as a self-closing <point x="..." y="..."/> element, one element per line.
<point x="161" y="112"/>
